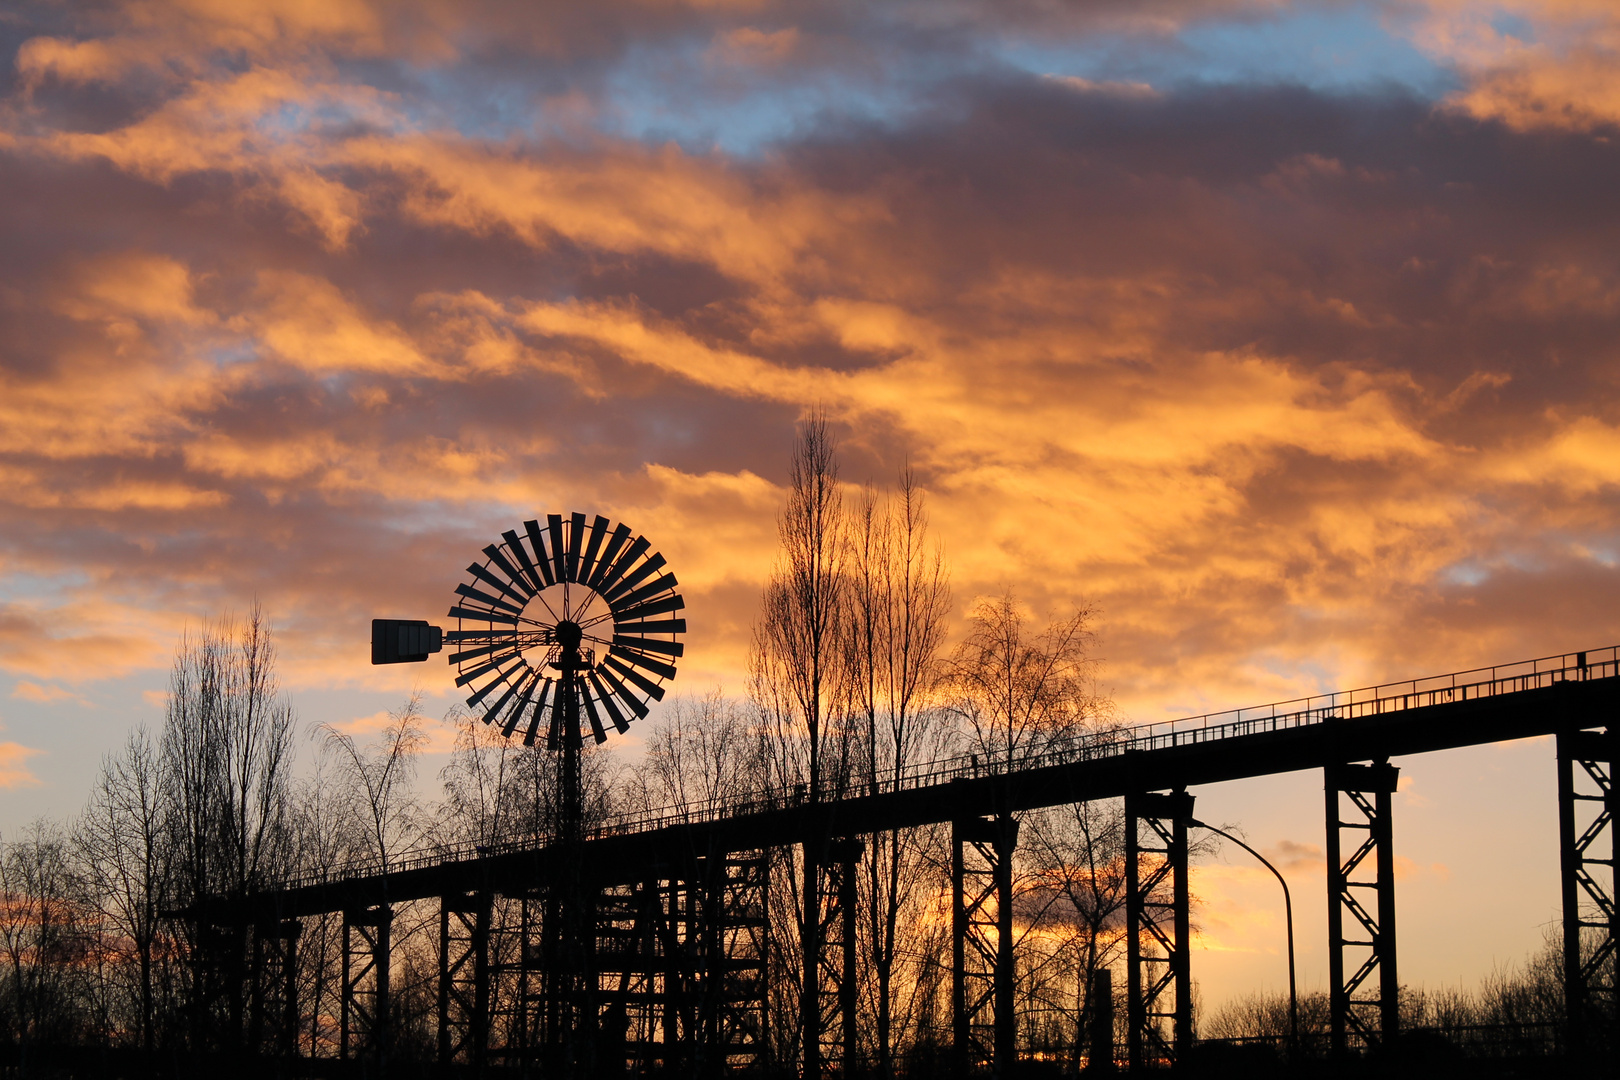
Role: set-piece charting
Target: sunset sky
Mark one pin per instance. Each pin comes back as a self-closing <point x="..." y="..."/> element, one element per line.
<point x="1282" y="333"/>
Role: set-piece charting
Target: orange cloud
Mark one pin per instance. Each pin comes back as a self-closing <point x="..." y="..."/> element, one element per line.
<point x="14" y="771"/>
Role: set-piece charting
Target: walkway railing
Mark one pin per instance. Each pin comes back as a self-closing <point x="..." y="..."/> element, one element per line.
<point x="1460" y="686"/>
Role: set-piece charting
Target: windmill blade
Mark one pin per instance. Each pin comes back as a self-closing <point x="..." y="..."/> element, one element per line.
<point x="559" y="548"/>
<point x="648" y="591"/>
<point x="605" y="563"/>
<point x="613" y="712"/>
<point x="666" y="626"/>
<point x="493" y="663"/>
<point x="516" y="714"/>
<point x="520" y="594"/>
<point x="494" y="711"/>
<point x="657" y="607"/>
<point x="597" y="731"/>
<point x="642" y="660"/>
<point x="668" y="648"/>
<point x="539" y="711"/>
<point x="484" y="598"/>
<point x="499" y="560"/>
<point x="587" y="561"/>
<point x="541" y="559"/>
<point x="626" y="561"/>
<point x="514" y="544"/>
<point x="654" y="563"/>
<point x="630" y="699"/>
<point x="554" y="731"/>
<point x="636" y="678"/>
<point x="473" y="654"/>
<point x="576" y="541"/>
<point x="472" y="702"/>
<point x="474" y="615"/>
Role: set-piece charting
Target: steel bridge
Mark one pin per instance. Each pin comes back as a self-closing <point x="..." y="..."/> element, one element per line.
<point x="677" y="967"/>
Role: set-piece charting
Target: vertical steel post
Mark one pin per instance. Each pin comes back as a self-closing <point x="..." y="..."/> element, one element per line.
<point x="960" y="1033"/>
<point x="1181" y="959"/>
<point x="1338" y="1008"/>
<point x="1006" y="1036"/>
<point x="292" y="929"/>
<point x="850" y="853"/>
<point x="1135" y="1018"/>
<point x="810" y="989"/>
<point x="1389" y="983"/>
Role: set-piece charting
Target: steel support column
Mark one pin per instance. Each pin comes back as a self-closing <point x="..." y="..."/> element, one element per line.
<point x="838" y="983"/>
<point x="273" y="1005"/>
<point x="983" y="1024"/>
<point x="735" y="1012"/>
<point x="1158" y="910"/>
<point x="464" y="984"/>
<point x="363" y="1009"/>
<point x="1362" y="1021"/>
<point x="1587" y="849"/>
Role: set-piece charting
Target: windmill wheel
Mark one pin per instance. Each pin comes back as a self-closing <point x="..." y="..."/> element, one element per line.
<point x="555" y="588"/>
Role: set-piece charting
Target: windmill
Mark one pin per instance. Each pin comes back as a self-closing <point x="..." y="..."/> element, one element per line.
<point x="561" y="625"/>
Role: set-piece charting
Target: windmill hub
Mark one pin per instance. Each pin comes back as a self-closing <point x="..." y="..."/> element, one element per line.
<point x="569" y="635"/>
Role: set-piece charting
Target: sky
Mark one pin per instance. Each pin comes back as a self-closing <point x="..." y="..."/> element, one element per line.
<point x="1283" y="334"/>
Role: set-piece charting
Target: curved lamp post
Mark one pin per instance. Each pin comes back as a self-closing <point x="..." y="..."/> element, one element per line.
<point x="1288" y="907"/>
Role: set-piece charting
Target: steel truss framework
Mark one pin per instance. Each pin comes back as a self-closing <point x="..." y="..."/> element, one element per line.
<point x="363" y="1009"/>
<point x="1356" y="1018"/>
<point x="1587" y="850"/>
<point x="273" y="995"/>
<point x="1158" y="933"/>
<point x="676" y="966"/>
<point x="679" y="954"/>
<point x="982" y="971"/>
<point x="464" y="977"/>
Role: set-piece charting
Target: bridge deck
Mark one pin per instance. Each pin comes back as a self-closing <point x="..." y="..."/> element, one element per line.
<point x="1533" y="697"/>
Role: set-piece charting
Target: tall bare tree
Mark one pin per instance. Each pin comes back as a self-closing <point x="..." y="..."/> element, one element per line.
<point x="799" y="679"/>
<point x="124" y="854"/>
<point x="899" y="601"/>
<point x="226" y="748"/>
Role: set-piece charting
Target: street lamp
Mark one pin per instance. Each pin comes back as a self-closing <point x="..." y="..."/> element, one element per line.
<point x="1288" y="907"/>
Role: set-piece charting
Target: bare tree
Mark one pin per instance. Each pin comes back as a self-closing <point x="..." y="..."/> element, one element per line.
<point x="41" y="935"/>
<point x="703" y="752"/>
<point x="475" y="781"/>
<point x="899" y="600"/>
<point x="799" y="680"/>
<point x="122" y="841"/>
<point x="226" y="749"/>
<point x="384" y="813"/>
<point x="1021" y="692"/>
